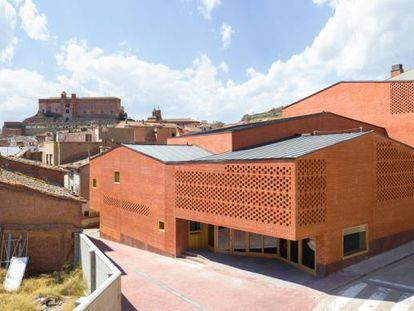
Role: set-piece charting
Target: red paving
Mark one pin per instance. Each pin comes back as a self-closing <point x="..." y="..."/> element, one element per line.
<point x="156" y="282"/>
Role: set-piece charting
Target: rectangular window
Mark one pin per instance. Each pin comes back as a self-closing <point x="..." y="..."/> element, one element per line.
<point x="94" y="183"/>
<point x="354" y="240"/>
<point x="161" y="225"/>
<point x="117" y="177"/>
<point x="195" y="226"/>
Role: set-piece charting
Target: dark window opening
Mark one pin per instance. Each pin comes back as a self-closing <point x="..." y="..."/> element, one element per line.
<point x="117" y="177"/>
<point x="294" y="251"/>
<point x="354" y="240"/>
<point x="195" y="226"/>
<point x="308" y="253"/>
<point x="161" y="225"/>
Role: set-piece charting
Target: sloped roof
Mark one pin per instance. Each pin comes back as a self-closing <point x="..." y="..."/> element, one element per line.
<point x="8" y="151"/>
<point x="18" y="179"/>
<point x="286" y="149"/>
<point x="405" y="76"/>
<point x="170" y="153"/>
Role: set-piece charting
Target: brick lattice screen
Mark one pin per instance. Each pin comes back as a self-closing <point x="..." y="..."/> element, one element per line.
<point x="132" y="207"/>
<point x="402" y="98"/>
<point x="311" y="192"/>
<point x="257" y="193"/>
<point x="395" y="172"/>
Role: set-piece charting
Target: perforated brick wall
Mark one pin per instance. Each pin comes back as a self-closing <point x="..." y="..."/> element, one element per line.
<point x="394" y="172"/>
<point x="402" y="98"/>
<point x="257" y="193"/>
<point x="129" y="206"/>
<point x="311" y="192"/>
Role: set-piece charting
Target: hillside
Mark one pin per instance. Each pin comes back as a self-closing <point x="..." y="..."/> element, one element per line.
<point x="273" y="113"/>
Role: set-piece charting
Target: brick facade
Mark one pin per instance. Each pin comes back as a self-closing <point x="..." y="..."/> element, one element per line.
<point x="386" y="104"/>
<point x="269" y="131"/>
<point x="49" y="221"/>
<point x="358" y="182"/>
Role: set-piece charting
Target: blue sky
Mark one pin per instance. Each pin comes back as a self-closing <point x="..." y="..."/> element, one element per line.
<point x="174" y="32"/>
<point x="206" y="59"/>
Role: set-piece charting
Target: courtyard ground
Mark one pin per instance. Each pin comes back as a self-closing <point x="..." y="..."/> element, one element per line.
<point x="207" y="281"/>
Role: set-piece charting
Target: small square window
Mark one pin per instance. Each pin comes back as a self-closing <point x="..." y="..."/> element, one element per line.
<point x="94" y="183"/>
<point x="161" y="225"/>
<point x="117" y="177"/>
<point x="354" y="241"/>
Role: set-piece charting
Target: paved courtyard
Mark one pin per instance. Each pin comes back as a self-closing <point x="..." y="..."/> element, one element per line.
<point x="222" y="282"/>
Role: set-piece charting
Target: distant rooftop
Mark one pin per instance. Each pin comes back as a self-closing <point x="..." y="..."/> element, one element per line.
<point x="405" y="76"/>
<point x="286" y="149"/>
<point x="242" y="127"/>
<point x="35" y="163"/>
<point x="170" y="153"/>
<point x="18" y="179"/>
<point x="76" y="164"/>
<point x="8" y="151"/>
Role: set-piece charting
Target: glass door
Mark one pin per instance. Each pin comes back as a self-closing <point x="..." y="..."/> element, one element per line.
<point x="223" y="240"/>
<point x="239" y="241"/>
<point x="283" y="251"/>
<point x="270" y="245"/>
<point x="210" y="237"/>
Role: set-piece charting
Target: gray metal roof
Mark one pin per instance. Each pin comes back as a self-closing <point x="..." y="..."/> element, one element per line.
<point x="171" y="153"/>
<point x="291" y="148"/>
<point x="8" y="151"/>
<point x="405" y="76"/>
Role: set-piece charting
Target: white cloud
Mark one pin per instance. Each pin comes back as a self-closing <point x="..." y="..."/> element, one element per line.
<point x="331" y="3"/>
<point x="205" y="7"/>
<point x="33" y="23"/>
<point x="8" y="40"/>
<point x="226" y="33"/>
<point x="360" y="41"/>
<point x="224" y="67"/>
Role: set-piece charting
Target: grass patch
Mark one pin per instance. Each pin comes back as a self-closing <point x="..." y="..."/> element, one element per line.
<point x="66" y="286"/>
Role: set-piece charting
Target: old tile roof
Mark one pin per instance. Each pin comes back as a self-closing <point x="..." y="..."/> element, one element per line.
<point x="18" y="179"/>
<point x="170" y="153"/>
<point x="36" y="163"/>
<point x="77" y="164"/>
<point x="286" y="149"/>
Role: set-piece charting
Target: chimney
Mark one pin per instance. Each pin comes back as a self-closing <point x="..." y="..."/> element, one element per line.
<point x="63" y="94"/>
<point x="396" y="70"/>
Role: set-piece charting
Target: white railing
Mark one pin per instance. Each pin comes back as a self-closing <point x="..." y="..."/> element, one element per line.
<point x="102" y="276"/>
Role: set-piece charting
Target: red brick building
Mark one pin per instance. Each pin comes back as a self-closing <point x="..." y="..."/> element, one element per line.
<point x="326" y="191"/>
<point x="49" y="215"/>
<point x="81" y="107"/>
<point x="384" y="103"/>
<point x="249" y="135"/>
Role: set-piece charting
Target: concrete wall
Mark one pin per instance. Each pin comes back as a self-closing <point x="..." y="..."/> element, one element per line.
<point x="102" y="277"/>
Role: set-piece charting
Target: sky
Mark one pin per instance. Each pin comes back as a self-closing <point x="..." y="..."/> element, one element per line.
<point x="204" y="59"/>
